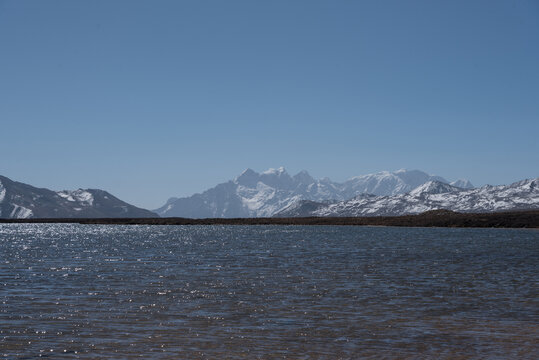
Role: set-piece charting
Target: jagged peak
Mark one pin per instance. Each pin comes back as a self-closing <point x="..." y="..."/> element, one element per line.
<point x="271" y="171"/>
<point x="379" y="173"/>
<point x="248" y="171"/>
<point x="248" y="176"/>
<point x="462" y="183"/>
<point x="433" y="187"/>
<point x="304" y="177"/>
<point x="532" y="183"/>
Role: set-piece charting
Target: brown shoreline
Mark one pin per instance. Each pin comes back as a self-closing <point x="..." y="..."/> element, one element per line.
<point x="436" y="218"/>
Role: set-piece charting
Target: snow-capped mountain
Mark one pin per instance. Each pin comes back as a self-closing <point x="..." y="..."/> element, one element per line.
<point x="22" y="201"/>
<point x="388" y="183"/>
<point x="462" y="183"/>
<point x="432" y="195"/>
<point x="253" y="194"/>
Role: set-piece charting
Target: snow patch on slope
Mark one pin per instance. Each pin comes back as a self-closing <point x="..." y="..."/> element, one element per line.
<point x="20" y="212"/>
<point x="80" y="196"/>
<point x="432" y="188"/>
<point x="2" y="192"/>
<point x="254" y="199"/>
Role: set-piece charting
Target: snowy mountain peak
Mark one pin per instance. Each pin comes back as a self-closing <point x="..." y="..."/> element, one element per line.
<point x="433" y="187"/>
<point x="304" y="177"/>
<point x="388" y="183"/>
<point x="462" y="183"/>
<point x="277" y="178"/>
<point x="528" y="184"/>
<point x="248" y="172"/>
<point x="248" y="177"/>
<point x="272" y="171"/>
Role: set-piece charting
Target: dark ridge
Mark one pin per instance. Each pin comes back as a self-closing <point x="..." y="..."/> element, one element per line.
<point x="435" y="218"/>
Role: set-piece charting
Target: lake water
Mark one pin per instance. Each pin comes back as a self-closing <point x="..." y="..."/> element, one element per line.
<point x="247" y="292"/>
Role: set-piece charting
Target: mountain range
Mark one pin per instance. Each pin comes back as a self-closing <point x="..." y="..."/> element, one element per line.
<point x="432" y="195"/>
<point x="20" y="201"/>
<point x="275" y="193"/>
<point x="265" y="194"/>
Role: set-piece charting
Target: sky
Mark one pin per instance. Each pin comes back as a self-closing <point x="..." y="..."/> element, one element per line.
<point x="154" y="99"/>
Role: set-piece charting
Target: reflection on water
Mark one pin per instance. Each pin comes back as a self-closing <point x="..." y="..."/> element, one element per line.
<point x="243" y="292"/>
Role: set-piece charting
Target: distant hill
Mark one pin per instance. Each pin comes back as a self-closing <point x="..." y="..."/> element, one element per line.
<point x="20" y="201"/>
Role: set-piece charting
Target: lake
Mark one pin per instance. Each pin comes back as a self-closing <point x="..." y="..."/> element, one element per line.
<point x="244" y="292"/>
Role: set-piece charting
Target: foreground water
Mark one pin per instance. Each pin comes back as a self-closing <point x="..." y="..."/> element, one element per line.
<point x="92" y="291"/>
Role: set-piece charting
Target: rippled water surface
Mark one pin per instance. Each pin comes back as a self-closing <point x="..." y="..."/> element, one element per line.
<point x="92" y="291"/>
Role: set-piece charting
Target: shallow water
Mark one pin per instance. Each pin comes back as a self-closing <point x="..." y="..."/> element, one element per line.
<point x="243" y="292"/>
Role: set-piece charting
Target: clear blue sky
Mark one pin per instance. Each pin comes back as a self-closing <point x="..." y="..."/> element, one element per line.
<point x="152" y="99"/>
